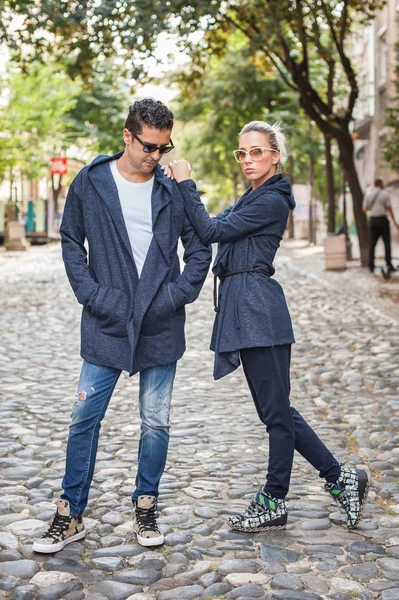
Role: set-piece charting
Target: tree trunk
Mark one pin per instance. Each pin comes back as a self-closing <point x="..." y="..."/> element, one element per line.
<point x="290" y="224"/>
<point x="330" y="185"/>
<point x="312" y="228"/>
<point x="346" y="151"/>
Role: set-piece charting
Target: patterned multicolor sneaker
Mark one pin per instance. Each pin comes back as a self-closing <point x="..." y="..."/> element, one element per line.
<point x="145" y="523"/>
<point x="350" y="492"/>
<point x="263" y="513"/>
<point x="63" y="530"/>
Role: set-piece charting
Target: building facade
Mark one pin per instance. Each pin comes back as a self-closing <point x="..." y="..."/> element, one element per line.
<point x="376" y="60"/>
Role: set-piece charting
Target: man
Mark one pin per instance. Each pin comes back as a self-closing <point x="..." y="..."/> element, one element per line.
<point x="133" y="298"/>
<point x="378" y="203"/>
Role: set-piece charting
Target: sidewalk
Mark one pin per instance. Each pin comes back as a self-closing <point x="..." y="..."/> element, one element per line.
<point x="345" y="382"/>
<point x="355" y="280"/>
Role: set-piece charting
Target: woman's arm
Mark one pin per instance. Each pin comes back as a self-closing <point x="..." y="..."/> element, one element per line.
<point x="231" y="225"/>
<point x="236" y="224"/>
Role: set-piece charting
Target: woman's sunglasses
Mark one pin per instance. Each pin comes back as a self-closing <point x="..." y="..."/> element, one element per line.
<point x="149" y="148"/>
<point x="254" y="153"/>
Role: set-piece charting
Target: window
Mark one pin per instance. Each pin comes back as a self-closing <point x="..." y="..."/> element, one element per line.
<point x="383" y="62"/>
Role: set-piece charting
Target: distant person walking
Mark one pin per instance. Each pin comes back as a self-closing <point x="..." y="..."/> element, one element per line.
<point x="378" y="204"/>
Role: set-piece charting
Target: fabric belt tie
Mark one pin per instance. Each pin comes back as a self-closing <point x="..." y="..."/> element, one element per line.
<point x="230" y="274"/>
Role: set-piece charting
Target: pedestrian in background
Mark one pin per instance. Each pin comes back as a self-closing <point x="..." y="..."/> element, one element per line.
<point x="133" y="298"/>
<point x="253" y="324"/>
<point x="378" y="204"/>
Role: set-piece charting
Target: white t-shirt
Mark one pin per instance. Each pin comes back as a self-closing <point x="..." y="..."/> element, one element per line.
<point x="135" y="199"/>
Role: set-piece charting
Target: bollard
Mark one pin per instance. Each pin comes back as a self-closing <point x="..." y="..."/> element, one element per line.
<point x="335" y="252"/>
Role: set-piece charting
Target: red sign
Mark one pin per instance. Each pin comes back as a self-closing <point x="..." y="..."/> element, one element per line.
<point x="58" y="166"/>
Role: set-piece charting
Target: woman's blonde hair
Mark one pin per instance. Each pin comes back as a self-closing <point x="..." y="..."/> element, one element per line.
<point x="275" y="136"/>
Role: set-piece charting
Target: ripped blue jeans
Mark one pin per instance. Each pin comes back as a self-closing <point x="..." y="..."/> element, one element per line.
<point x="95" y="388"/>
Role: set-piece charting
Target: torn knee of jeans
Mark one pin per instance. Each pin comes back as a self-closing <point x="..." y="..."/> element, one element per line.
<point x="80" y="396"/>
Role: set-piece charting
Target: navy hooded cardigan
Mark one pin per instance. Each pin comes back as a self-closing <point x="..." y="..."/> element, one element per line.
<point x="129" y="323"/>
<point x="252" y="308"/>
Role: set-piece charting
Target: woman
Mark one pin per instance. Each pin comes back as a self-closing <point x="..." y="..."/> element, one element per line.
<point x="253" y="324"/>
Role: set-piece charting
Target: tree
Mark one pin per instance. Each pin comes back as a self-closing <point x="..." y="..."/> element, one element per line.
<point x="71" y="32"/>
<point x="214" y="103"/>
<point x="289" y="34"/>
<point x="391" y="145"/>
<point x="217" y="104"/>
<point x="33" y="118"/>
<point x="293" y="35"/>
<point x="101" y="107"/>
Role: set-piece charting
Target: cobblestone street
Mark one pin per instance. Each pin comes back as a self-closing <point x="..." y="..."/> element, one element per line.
<point x="345" y="382"/>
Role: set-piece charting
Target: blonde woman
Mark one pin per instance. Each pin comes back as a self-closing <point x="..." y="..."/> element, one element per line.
<point x="253" y="324"/>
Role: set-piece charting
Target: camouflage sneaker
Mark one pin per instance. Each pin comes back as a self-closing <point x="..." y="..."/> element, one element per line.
<point x="145" y="523"/>
<point x="350" y="492"/>
<point x="263" y="513"/>
<point x="63" y="530"/>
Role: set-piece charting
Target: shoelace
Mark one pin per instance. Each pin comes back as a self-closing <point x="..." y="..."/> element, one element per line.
<point x="146" y="519"/>
<point x="58" y="526"/>
<point x="252" y="509"/>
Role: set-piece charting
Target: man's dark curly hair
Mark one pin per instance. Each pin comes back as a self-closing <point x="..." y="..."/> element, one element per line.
<point x="150" y="112"/>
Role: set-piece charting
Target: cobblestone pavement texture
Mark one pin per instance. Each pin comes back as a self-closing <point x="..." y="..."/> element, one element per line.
<point x="345" y="380"/>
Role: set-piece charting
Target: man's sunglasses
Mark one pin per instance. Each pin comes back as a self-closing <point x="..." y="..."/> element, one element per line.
<point x="149" y="148"/>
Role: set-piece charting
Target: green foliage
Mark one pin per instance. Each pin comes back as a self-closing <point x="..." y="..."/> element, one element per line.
<point x="47" y="113"/>
<point x="34" y="117"/>
<point x="391" y="154"/>
<point x="101" y="108"/>
<point x="214" y="106"/>
<point x="227" y="92"/>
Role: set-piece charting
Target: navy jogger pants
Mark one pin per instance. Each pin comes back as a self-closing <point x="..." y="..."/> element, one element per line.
<point x="268" y="375"/>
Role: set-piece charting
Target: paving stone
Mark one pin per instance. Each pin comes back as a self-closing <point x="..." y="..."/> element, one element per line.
<point x="9" y="582"/>
<point x="122" y="550"/>
<point x="49" y="578"/>
<point x="392" y="594"/>
<point x="75" y="596"/>
<point x="182" y="593"/>
<point x="250" y="590"/>
<point x="279" y="555"/>
<point x="23" y="592"/>
<point x="237" y="579"/>
<point x="59" y="590"/>
<point x="290" y="595"/>
<point x="8" y="555"/>
<point x="217" y="589"/>
<point x="115" y="590"/>
<point x="25" y="569"/>
<point x="108" y="563"/>
<point x="315" y="584"/>
<point x="362" y="572"/>
<point x="69" y="565"/>
<point x="284" y="581"/>
<point x="8" y="541"/>
<point x="391" y="564"/>
<point x="316" y="524"/>
<point x="242" y="566"/>
<point x="139" y="576"/>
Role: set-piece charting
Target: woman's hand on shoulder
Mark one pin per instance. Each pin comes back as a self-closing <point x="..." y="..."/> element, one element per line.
<point x="178" y="170"/>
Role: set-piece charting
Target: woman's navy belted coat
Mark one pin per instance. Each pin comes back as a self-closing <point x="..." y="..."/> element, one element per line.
<point x="252" y="308"/>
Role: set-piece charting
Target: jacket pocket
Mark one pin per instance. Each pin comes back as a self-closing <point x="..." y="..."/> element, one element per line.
<point x="112" y="308"/>
<point x="157" y="318"/>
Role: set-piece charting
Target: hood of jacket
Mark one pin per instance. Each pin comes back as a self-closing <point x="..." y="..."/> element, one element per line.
<point x="282" y="185"/>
